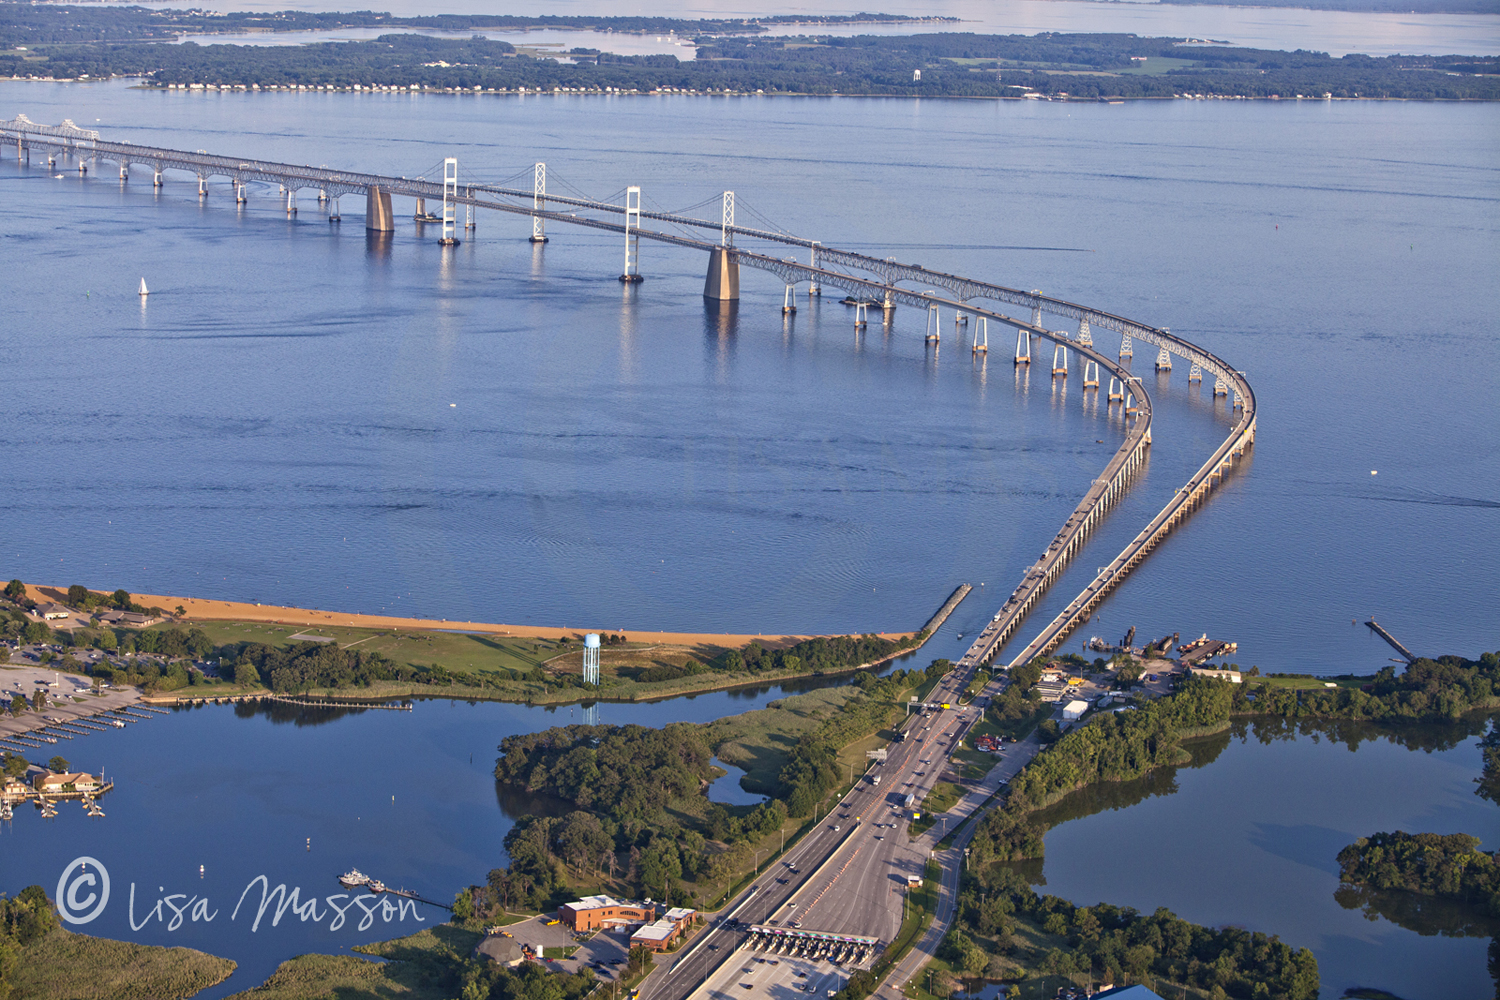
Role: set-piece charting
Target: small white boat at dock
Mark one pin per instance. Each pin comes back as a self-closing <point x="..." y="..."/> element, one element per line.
<point x="353" y="878"/>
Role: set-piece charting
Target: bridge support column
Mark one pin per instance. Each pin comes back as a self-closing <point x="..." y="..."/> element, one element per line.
<point x="934" y="325"/>
<point x="814" y="289"/>
<point x="1091" y="374"/>
<point x="202" y="186"/>
<point x="722" y="282"/>
<point x="1163" y="360"/>
<point x="156" y="180"/>
<point x="982" y="335"/>
<point x="1220" y="389"/>
<point x="420" y="213"/>
<point x="291" y="201"/>
<point x="861" y="315"/>
<point x="468" y="218"/>
<point x="322" y="197"/>
<point x="378" y="217"/>
<point x="1023" y="347"/>
<point x="1084" y="336"/>
<point x="124" y="171"/>
<point x="787" y="308"/>
<point x="240" y="195"/>
<point x="333" y="209"/>
<point x="1116" y="390"/>
<point x="1059" y="361"/>
<point x="1127" y="349"/>
<point x="1195" y="373"/>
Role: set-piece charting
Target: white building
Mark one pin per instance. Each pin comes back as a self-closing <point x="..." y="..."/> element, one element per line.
<point x="1073" y="710"/>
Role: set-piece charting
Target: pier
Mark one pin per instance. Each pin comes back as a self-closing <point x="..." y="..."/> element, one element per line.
<point x="954" y="600"/>
<point x="1380" y="631"/>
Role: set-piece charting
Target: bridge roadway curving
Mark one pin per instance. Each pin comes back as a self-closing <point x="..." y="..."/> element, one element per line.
<point x="869" y="857"/>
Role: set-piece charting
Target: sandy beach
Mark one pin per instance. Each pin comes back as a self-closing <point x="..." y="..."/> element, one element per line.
<point x="207" y="610"/>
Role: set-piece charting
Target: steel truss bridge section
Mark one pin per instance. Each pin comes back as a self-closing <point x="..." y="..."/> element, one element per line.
<point x="828" y="266"/>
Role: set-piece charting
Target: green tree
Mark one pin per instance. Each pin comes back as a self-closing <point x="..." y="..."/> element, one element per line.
<point x="245" y="674"/>
<point x="58" y="765"/>
<point x="15" y="590"/>
<point x="121" y="599"/>
<point x="14" y="765"/>
<point x="78" y="596"/>
<point x="36" y="632"/>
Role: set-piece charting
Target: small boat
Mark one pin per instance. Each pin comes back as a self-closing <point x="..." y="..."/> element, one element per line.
<point x="144" y="290"/>
<point x="375" y="885"/>
<point x="353" y="877"/>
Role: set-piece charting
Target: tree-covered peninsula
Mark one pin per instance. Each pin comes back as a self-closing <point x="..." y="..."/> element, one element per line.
<point x="733" y="57"/>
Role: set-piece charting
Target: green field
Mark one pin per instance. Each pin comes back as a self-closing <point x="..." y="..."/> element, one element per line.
<point x="758" y="742"/>
<point x="1303" y="682"/>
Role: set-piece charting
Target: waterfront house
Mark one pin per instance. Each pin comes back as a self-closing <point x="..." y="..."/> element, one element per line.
<point x="50" y="783"/>
<point x="137" y="619"/>
<point x="52" y="612"/>
<point x="110" y="617"/>
<point x="1232" y="676"/>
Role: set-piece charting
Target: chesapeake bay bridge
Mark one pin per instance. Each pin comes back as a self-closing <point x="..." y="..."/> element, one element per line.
<point x="880" y="283"/>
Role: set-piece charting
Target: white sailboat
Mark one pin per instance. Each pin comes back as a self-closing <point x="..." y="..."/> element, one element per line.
<point x="144" y="290"/>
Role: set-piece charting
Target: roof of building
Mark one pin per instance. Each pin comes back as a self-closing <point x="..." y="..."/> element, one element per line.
<point x="498" y="948"/>
<point x="678" y="914"/>
<point x="1076" y="705"/>
<point x="661" y="930"/>
<point x="71" y="778"/>
<point x="53" y="609"/>
<point x="1129" y="993"/>
<point x="598" y="902"/>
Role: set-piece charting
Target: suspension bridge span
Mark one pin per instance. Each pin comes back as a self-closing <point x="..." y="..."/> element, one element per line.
<point x="871" y="282"/>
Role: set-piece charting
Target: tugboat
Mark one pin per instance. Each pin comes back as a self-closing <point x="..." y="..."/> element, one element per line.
<point x="354" y="878"/>
<point x="375" y="885"/>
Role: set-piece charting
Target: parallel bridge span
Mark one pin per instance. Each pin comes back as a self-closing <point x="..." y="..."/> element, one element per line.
<point x="827" y="266"/>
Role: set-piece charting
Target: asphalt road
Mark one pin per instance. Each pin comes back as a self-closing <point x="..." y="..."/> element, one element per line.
<point x="851" y="870"/>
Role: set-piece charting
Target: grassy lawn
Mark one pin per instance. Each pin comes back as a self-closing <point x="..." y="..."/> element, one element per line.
<point x="1303" y="682"/>
<point x="944" y="796"/>
<point x="67" y="966"/>
<point x="759" y="741"/>
<point x="1156" y="66"/>
<point x="510" y="658"/>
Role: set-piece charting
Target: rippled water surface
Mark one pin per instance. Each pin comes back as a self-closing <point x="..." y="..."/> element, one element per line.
<point x="301" y="415"/>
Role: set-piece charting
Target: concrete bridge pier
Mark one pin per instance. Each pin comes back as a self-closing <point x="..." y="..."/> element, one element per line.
<point x="1023" y="347"/>
<point x="888" y="308"/>
<point x="861" y="316"/>
<point x="322" y="197"/>
<point x="291" y="201"/>
<point x="240" y="196"/>
<point x="1163" y="360"/>
<point x="1091" y="374"/>
<point x="1059" y="361"/>
<point x="124" y="171"/>
<point x="156" y="180"/>
<point x="378" y="210"/>
<point x="722" y="283"/>
<point x="333" y="209"/>
<point x="982" y="335"/>
<point x="202" y="186"/>
<point x="787" y="308"/>
<point x="1127" y="348"/>
<point x="934" y="325"/>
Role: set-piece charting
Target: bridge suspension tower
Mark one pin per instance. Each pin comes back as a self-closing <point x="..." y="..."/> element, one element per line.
<point x="539" y="204"/>
<point x="450" y="208"/>
<point x="632" y="273"/>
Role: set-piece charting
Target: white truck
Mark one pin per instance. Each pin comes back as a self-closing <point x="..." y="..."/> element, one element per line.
<point x="875" y="780"/>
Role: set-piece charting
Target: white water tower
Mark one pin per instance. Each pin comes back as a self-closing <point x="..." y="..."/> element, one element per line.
<point x="591" y="658"/>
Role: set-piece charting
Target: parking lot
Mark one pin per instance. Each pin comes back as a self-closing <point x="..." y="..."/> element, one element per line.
<point x="606" y="950"/>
